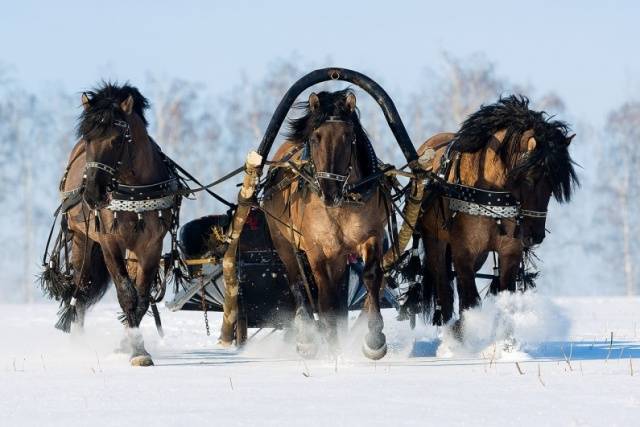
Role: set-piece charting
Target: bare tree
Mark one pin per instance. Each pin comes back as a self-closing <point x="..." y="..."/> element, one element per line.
<point x="620" y="166"/>
<point x="452" y="92"/>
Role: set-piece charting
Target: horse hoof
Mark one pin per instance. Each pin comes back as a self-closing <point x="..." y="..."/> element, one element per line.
<point x="457" y="330"/>
<point x="374" y="348"/>
<point x="142" y="360"/>
<point x="224" y="344"/>
<point x="307" y="350"/>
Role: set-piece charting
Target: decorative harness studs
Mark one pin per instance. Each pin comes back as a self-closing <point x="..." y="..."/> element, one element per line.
<point x="131" y="198"/>
<point x="479" y="202"/>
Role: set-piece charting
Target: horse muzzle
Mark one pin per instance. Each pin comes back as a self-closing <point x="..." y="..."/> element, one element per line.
<point x="95" y="198"/>
<point x="532" y="240"/>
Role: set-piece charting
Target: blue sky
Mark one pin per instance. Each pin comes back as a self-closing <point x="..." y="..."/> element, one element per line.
<point x="585" y="51"/>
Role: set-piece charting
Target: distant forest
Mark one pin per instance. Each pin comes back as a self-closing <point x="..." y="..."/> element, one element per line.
<point x="591" y="248"/>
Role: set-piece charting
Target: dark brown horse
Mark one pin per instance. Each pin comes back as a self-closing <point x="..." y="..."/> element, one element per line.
<point x="521" y="157"/>
<point x="120" y="199"/>
<point x="317" y="215"/>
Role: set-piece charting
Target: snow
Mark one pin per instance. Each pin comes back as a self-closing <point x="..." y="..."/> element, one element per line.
<point x="571" y="374"/>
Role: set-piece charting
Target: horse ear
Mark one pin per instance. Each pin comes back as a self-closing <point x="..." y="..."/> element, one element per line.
<point x="351" y="102"/>
<point x="531" y="144"/>
<point x="127" y="105"/>
<point x="314" y="102"/>
<point x="569" y="138"/>
<point x="85" y="101"/>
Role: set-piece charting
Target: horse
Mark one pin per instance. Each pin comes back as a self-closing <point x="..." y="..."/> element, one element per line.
<point x="119" y="202"/>
<point x="501" y="169"/>
<point x="312" y="212"/>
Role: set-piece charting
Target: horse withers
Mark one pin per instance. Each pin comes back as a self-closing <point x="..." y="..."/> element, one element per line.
<point x="119" y="201"/>
<point x="501" y="169"/>
<point x="312" y="213"/>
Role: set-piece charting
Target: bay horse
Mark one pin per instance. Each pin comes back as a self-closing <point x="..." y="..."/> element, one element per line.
<point x="118" y="204"/>
<point x="507" y="161"/>
<point x="312" y="212"/>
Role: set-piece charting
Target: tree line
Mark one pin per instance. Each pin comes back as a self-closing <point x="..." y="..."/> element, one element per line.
<point x="591" y="248"/>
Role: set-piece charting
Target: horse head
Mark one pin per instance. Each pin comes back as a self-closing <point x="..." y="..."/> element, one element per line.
<point x="540" y="167"/>
<point x="332" y="134"/>
<point x="533" y="153"/>
<point x="111" y="123"/>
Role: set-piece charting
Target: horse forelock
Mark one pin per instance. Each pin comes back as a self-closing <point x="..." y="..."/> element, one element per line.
<point x="104" y="109"/>
<point x="332" y="104"/>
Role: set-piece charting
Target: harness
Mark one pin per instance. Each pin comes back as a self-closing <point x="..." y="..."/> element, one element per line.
<point x="57" y="275"/>
<point x="124" y="197"/>
<point x="310" y="176"/>
<point x="478" y="201"/>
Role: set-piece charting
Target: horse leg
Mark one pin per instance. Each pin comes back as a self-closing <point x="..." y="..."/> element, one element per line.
<point x="509" y="259"/>
<point x="437" y="286"/>
<point x="146" y="270"/>
<point x="464" y="262"/>
<point x="81" y="248"/>
<point x="79" y="295"/>
<point x="327" y="275"/>
<point x="303" y="321"/>
<point x="375" y="343"/>
<point x="127" y="297"/>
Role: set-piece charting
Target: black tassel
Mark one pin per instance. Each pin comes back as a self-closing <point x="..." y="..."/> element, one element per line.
<point x="494" y="287"/>
<point x="449" y="221"/>
<point x="114" y="223"/>
<point x="64" y="223"/>
<point x="166" y="222"/>
<point x="96" y="218"/>
<point x="178" y="276"/>
<point x="51" y="281"/>
<point x="54" y="283"/>
<point x="140" y="223"/>
<point x="67" y="315"/>
<point x="411" y="302"/>
<point x="413" y="268"/>
<point x="529" y="280"/>
<point x="518" y="230"/>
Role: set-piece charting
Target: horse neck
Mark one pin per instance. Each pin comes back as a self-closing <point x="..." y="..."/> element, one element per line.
<point x="485" y="168"/>
<point x="356" y="172"/>
<point x="145" y="166"/>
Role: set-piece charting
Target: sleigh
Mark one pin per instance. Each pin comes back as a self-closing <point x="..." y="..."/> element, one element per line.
<point x="264" y="300"/>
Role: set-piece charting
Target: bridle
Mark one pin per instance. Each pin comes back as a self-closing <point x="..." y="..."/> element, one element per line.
<point x="498" y="205"/>
<point x="135" y="198"/>
<point x="529" y="213"/>
<point x="533" y="214"/>
<point x="343" y="178"/>
<point x="125" y="134"/>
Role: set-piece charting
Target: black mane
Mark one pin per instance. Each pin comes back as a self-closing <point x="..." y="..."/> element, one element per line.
<point x="333" y="104"/>
<point x="551" y="155"/>
<point x="104" y="108"/>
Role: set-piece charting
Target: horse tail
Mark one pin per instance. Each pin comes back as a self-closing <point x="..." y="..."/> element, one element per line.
<point x="89" y="291"/>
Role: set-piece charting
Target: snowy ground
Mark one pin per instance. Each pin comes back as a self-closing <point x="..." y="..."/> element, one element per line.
<point x="568" y="373"/>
